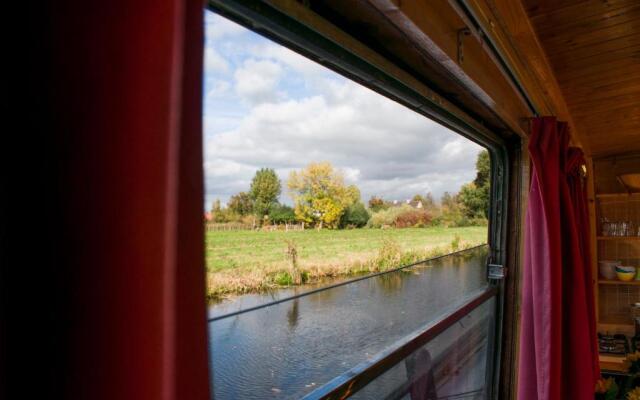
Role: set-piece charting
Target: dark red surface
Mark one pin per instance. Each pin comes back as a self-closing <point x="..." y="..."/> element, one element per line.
<point x="558" y="345"/>
<point x="109" y="303"/>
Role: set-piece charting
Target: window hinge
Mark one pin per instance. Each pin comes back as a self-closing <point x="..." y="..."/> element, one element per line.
<point x="461" y="34"/>
<point x="497" y="271"/>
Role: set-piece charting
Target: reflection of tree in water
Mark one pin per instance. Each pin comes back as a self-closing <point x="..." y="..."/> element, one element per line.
<point x="324" y="296"/>
<point x="473" y="253"/>
<point x="392" y="282"/>
<point x="293" y="314"/>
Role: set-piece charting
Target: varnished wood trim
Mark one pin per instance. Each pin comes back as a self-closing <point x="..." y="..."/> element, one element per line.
<point x="518" y="193"/>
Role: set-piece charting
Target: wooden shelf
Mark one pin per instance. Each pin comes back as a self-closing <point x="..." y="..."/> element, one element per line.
<point x="620" y="238"/>
<point x="617" y="282"/>
<point x="617" y="320"/>
<point x="617" y="195"/>
<point x="610" y="202"/>
<point x="614" y="362"/>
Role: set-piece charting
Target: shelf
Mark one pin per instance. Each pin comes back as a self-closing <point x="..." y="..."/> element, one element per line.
<point x="614" y="363"/>
<point x="623" y="320"/>
<point x="620" y="238"/>
<point x="616" y="326"/>
<point x="617" y="195"/>
<point x="617" y="282"/>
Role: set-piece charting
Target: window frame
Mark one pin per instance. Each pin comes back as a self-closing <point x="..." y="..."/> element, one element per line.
<point x="293" y="26"/>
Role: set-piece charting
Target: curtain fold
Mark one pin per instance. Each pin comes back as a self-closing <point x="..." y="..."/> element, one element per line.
<point x="114" y="306"/>
<point x="558" y="351"/>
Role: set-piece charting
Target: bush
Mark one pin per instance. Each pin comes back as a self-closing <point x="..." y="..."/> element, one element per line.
<point x="281" y="214"/>
<point x="389" y="255"/>
<point x="387" y="217"/>
<point x="457" y="219"/>
<point x="413" y="218"/>
<point x="248" y="219"/>
<point x="283" y="278"/>
<point x="356" y="216"/>
<point x="377" y="204"/>
<point x="225" y="215"/>
<point x="404" y="216"/>
<point x="455" y="243"/>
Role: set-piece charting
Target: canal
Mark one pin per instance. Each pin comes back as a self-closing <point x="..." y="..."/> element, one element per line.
<point x="287" y="350"/>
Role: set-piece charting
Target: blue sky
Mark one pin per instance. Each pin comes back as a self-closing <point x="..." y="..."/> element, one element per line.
<point x="266" y="106"/>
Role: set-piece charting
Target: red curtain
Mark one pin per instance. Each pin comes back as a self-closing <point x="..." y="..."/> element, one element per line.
<point x="109" y="300"/>
<point x="558" y="350"/>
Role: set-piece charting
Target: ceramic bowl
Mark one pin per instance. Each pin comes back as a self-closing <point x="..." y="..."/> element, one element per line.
<point x="625" y="273"/>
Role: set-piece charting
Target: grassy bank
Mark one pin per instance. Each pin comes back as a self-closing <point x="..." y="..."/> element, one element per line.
<point x="249" y="261"/>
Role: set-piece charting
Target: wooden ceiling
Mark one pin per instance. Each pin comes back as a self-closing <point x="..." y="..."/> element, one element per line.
<point x="593" y="47"/>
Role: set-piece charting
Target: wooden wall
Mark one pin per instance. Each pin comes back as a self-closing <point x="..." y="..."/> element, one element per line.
<point x="607" y="170"/>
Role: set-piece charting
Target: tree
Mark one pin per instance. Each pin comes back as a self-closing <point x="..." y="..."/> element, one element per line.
<point x="241" y="203"/>
<point x="377" y="204"/>
<point x="219" y="214"/>
<point x="429" y="203"/>
<point x="473" y="201"/>
<point x="483" y="169"/>
<point x="474" y="196"/>
<point x="448" y="201"/>
<point x="418" y="198"/>
<point x="320" y="194"/>
<point x="216" y="207"/>
<point x="264" y="191"/>
<point x="451" y="213"/>
<point x="355" y="215"/>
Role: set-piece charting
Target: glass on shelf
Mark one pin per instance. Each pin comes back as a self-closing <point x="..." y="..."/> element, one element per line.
<point x="619" y="228"/>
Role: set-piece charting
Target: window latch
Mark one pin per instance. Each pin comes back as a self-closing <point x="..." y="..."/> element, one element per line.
<point x="496" y="271"/>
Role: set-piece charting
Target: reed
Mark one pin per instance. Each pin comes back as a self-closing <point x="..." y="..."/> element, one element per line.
<point x="253" y="262"/>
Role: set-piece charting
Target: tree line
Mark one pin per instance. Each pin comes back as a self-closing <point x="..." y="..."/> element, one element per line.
<point x="322" y="199"/>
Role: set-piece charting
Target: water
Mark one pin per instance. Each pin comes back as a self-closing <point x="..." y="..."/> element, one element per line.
<point x="287" y="350"/>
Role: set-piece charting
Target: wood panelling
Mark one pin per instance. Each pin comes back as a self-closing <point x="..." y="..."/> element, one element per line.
<point x="607" y="170"/>
<point x="593" y="47"/>
<point x="476" y="64"/>
<point x="576" y="59"/>
<point x="567" y="17"/>
<point x="506" y="24"/>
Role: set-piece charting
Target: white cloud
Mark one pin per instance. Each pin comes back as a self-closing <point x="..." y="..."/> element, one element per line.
<point x="213" y="61"/>
<point x="290" y="58"/>
<point x="267" y="106"/>
<point x="381" y="146"/>
<point x="256" y="81"/>
<point x="217" y="27"/>
<point x="219" y="88"/>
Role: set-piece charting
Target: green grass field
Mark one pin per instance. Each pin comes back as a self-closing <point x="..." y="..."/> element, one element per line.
<point x="246" y="261"/>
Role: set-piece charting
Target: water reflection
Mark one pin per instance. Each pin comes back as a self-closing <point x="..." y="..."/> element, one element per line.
<point x="451" y="366"/>
<point x="287" y="350"/>
<point x="392" y="283"/>
<point x="293" y="314"/>
<point x="422" y="384"/>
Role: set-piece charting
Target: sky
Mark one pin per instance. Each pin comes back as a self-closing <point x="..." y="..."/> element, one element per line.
<point x="267" y="106"/>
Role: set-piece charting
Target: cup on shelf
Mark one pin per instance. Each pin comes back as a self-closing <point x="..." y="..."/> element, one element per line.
<point x="605" y="227"/>
<point x="607" y="269"/>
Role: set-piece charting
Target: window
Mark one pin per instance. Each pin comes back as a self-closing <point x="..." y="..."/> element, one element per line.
<point x="373" y="309"/>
